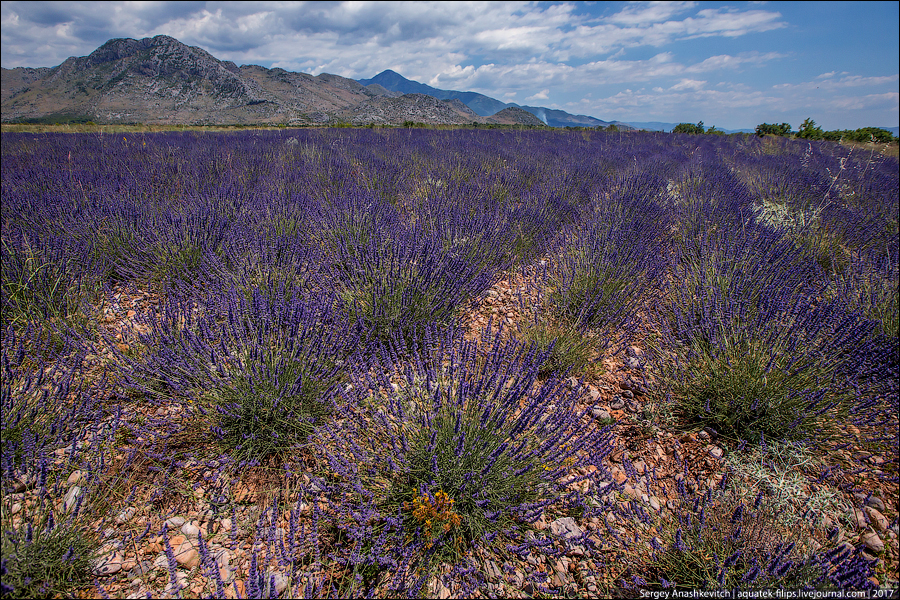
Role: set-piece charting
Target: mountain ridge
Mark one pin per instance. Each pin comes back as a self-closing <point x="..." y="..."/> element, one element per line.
<point x="161" y="80"/>
<point x="483" y="105"/>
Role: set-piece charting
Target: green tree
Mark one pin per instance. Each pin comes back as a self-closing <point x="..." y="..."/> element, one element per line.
<point x="688" y="128"/>
<point x="810" y="131"/>
<point x="773" y="129"/>
<point x="872" y="134"/>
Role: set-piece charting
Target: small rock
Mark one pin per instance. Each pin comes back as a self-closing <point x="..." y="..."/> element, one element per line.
<point x="873" y="542"/>
<point x="16" y="508"/>
<point x="226" y="574"/>
<point x="74" y="478"/>
<point x="175" y="522"/>
<point x="633" y="362"/>
<point x="600" y="414"/>
<point x="654" y="503"/>
<point x="161" y="562"/>
<point x="186" y="555"/>
<point x="71" y="498"/>
<point x="618" y="403"/>
<point x="236" y="590"/>
<point x="631" y="492"/>
<point x="142" y="568"/>
<point x="180" y="583"/>
<point x="872" y="501"/>
<point x="566" y="528"/>
<point x="190" y="530"/>
<point x="125" y="516"/>
<point x="627" y="394"/>
<point x="226" y="524"/>
<point x="879" y="521"/>
<point x="281" y="583"/>
<point x="109" y="565"/>
<point x="206" y="515"/>
<point x="493" y="573"/>
<point x="715" y="451"/>
<point x="223" y="558"/>
<point x="868" y="557"/>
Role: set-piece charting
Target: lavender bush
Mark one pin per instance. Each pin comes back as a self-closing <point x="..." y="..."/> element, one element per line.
<point x="44" y="282"/>
<point x="52" y="423"/>
<point x="717" y="541"/>
<point x="749" y="350"/>
<point x="264" y="371"/>
<point x="454" y="449"/>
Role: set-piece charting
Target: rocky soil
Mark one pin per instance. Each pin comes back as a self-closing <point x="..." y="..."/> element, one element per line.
<point x="649" y="460"/>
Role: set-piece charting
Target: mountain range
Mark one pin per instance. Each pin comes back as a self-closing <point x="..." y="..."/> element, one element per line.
<point x="483" y="105"/>
<point x="163" y="81"/>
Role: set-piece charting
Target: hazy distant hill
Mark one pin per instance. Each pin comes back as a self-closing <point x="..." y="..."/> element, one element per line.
<point x="484" y="105"/>
<point x="660" y="126"/>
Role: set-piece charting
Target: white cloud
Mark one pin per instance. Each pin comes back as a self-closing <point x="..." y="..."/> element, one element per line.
<point x="542" y="95"/>
<point x="688" y="84"/>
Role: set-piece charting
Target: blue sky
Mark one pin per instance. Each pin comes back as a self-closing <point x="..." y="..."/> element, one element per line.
<point x="730" y="64"/>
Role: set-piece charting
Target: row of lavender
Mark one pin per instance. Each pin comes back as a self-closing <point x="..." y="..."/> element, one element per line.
<point x="301" y="271"/>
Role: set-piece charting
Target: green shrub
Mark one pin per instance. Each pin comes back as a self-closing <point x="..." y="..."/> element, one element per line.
<point x="592" y="295"/>
<point x="750" y="391"/>
<point x="36" y="287"/>
<point x="43" y="560"/>
<point x="718" y="542"/>
<point x="273" y="405"/>
<point x="570" y="349"/>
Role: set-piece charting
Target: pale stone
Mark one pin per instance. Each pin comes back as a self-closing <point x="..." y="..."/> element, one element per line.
<point x="873" y="542"/>
<point x="187" y="555"/>
<point x="71" y="498"/>
<point x="109" y="565"/>
<point x="161" y="562"/>
<point x="125" y="516"/>
<point x="879" y="521"/>
<point x="174" y="522"/>
<point x="566" y="528"/>
<point x="74" y="478"/>
<point x="190" y="530"/>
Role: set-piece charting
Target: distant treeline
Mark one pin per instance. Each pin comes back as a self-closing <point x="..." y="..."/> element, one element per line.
<point x="808" y="131"/>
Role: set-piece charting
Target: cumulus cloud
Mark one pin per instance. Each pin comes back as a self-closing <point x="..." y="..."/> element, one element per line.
<point x="542" y="95"/>
<point x="322" y="32"/>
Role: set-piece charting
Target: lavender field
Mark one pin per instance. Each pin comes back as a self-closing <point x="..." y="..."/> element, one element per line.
<point x="315" y="363"/>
